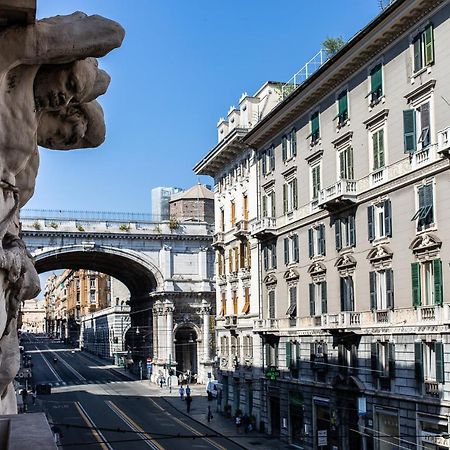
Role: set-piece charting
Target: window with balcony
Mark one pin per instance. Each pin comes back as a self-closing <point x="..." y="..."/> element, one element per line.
<point x="223" y="304"/>
<point x="381" y="287"/>
<point x="378" y="150"/>
<point x="429" y="364"/>
<point x="271" y="354"/>
<point x="315" y="128"/>
<point x="92" y="298"/>
<point x="293" y="358"/>
<point x="316" y="241"/>
<point x="379" y="220"/>
<point x="318" y="298"/>
<point x="345" y="163"/>
<point x="290" y="195"/>
<point x="347" y="292"/>
<point x="246" y="308"/>
<point x="289" y="145"/>
<point x="376" y="84"/>
<point x="268" y="161"/>
<point x="425" y="216"/>
<point x="423" y="49"/>
<point x="382" y="356"/>
<point x="268" y="204"/>
<point x="427" y="284"/>
<point x="342" y="107"/>
<point x="315" y="181"/>
<point x="270" y="256"/>
<point x="271" y="305"/>
<point x="291" y="249"/>
<point x="292" y="309"/>
<point x="345" y="232"/>
<point x="416" y="128"/>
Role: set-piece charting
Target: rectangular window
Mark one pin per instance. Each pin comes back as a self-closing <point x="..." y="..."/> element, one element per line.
<point x="315" y="182"/>
<point x="416" y="128"/>
<point x="245" y="207"/>
<point x="271" y="354"/>
<point x="246" y="308"/>
<point x="342" y="101"/>
<point x="223" y="306"/>
<point x="429" y="361"/>
<point x="236" y="259"/>
<point x="379" y="218"/>
<point x="92" y="297"/>
<point x="383" y="362"/>
<point x="315" y="128"/>
<point x="427" y="283"/>
<point x="345" y="232"/>
<point x="378" y="150"/>
<point x="347" y="294"/>
<point x="346" y="164"/>
<point x="292" y="310"/>
<point x="234" y="299"/>
<point x="291" y="249"/>
<point x="381" y="285"/>
<point x="233" y="213"/>
<point x="290" y="196"/>
<point x="425" y="213"/>
<point x="423" y="49"/>
<point x="316" y="241"/>
<point x="222" y="220"/>
<point x="286" y="250"/>
<point x="318" y="298"/>
<point x="376" y="84"/>
<point x="348" y="358"/>
<point x="271" y="310"/>
<point x="92" y="282"/>
<point x="270" y="256"/>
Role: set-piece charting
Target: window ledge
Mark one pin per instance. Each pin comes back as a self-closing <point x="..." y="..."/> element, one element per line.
<point x="432" y="227"/>
<point x="339" y="126"/>
<point x="381" y="240"/>
<point x="380" y="100"/>
<point x="426" y="69"/>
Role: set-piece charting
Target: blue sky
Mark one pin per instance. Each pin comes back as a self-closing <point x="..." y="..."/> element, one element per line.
<point x="181" y="66"/>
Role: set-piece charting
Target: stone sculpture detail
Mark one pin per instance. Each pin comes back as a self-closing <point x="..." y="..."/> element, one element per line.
<point x="49" y="80"/>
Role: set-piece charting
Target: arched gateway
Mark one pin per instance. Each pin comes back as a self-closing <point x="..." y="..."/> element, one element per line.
<point x="168" y="271"/>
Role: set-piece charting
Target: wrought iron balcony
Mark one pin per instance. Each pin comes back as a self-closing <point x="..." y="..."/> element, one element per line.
<point x="339" y="194"/>
<point x="264" y="228"/>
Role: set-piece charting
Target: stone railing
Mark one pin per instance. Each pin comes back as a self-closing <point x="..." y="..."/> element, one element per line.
<point x="379" y="176"/>
<point x="423" y="157"/>
<point x="432" y="388"/>
<point x="444" y="140"/>
<point x="263" y="226"/>
<point x="341" y="190"/>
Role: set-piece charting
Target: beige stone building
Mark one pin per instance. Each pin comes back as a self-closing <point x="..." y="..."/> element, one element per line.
<point x="33" y="316"/>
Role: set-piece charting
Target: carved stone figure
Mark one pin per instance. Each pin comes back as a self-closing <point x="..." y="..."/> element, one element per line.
<point x="49" y="80"/>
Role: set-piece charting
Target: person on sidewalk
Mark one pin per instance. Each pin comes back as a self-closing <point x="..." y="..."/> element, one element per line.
<point x="188" y="403"/>
<point x="161" y="381"/>
<point x="188" y="390"/>
<point x="33" y="395"/>
<point x="181" y="391"/>
<point x="209" y="416"/>
<point x="238" y="422"/>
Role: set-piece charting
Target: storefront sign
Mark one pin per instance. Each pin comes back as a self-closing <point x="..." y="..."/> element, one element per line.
<point x="272" y="373"/>
<point x="322" y="439"/>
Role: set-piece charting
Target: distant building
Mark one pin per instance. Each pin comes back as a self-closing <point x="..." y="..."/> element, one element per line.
<point x="160" y="201"/>
<point x="196" y="204"/>
<point x="33" y="316"/>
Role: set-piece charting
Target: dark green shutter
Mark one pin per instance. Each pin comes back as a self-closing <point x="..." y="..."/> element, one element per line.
<point x="390" y="288"/>
<point x="264" y="163"/>
<point x="409" y="130"/>
<point x="312" y="348"/>
<point x="322" y="239"/>
<point x="274" y="256"/>
<point x="439" y="351"/>
<point x="350" y="174"/>
<point x="371" y="222"/>
<point x="428" y="201"/>
<point x="315" y="131"/>
<point x="285" y="198"/>
<point x="272" y="158"/>
<point x="380" y="135"/>
<point x="415" y="284"/>
<point x="288" y="354"/>
<point x="417" y="45"/>
<point x="373" y="290"/>
<point x="295" y="249"/>
<point x="374" y="359"/>
<point x="286" y="251"/>
<point x="312" y="303"/>
<point x="387" y="218"/>
<point x="338" y="234"/>
<point x="352" y="230"/>
<point x="264" y="206"/>
<point x="429" y="45"/>
<point x="311" y="242"/>
<point x="294" y="142"/>
<point x="297" y="355"/>
<point x="284" y="147"/>
<point x="418" y="360"/>
<point x="323" y="285"/>
<point x="295" y="193"/>
<point x="273" y="205"/>
<point x="268" y="361"/>
<point x="343" y="107"/>
<point x="351" y="292"/>
<point x="376" y="164"/>
<point x="343" y="165"/>
<point x="438" y="291"/>
<point x="425" y="124"/>
<point x="391" y="359"/>
<point x="376" y="82"/>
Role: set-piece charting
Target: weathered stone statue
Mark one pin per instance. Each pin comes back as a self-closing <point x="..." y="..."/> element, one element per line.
<point x="49" y="80"/>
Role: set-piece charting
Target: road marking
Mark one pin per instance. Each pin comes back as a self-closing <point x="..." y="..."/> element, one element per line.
<point x="185" y="425"/>
<point x="149" y="440"/>
<point x="94" y="429"/>
<point x="49" y="366"/>
<point x="74" y="371"/>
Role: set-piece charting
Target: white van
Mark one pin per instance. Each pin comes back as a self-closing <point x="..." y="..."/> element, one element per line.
<point x="212" y="387"/>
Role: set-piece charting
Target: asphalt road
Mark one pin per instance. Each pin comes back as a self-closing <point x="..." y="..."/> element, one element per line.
<point x="96" y="407"/>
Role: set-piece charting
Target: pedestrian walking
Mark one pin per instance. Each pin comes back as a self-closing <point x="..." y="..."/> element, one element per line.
<point x="238" y="422"/>
<point x="24" y="396"/>
<point x="209" y="417"/>
<point x="188" y="390"/>
<point x="33" y="395"/>
<point x="188" y="403"/>
<point x="181" y="391"/>
<point x="161" y="381"/>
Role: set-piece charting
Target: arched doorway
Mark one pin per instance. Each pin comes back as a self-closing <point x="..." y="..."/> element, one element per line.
<point x="186" y="350"/>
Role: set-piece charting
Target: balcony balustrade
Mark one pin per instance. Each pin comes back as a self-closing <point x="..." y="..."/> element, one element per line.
<point x="339" y="194"/>
<point x="444" y="141"/>
<point x="218" y="239"/>
<point x="432" y="388"/>
<point x="264" y="228"/>
<point x="242" y="229"/>
<point x="231" y="322"/>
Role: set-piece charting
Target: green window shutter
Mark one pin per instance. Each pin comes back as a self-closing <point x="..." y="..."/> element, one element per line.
<point x="380" y="148"/>
<point x="439" y="351"/>
<point x="264" y="163"/>
<point x="342" y="165"/>
<point x="343" y="107"/>
<point x="286" y="251"/>
<point x="274" y="256"/>
<point x="343" y="293"/>
<point x="266" y="258"/>
<point x="272" y="158"/>
<point x="294" y="142"/>
<point x="390" y="288"/>
<point x="338" y="234"/>
<point x="284" y="147"/>
<point x="311" y="242"/>
<point x="297" y="355"/>
<point x="264" y="206"/>
<point x="418" y="360"/>
<point x="425" y="124"/>
<point x="373" y="290"/>
<point x="285" y="198"/>
<point x="438" y="294"/>
<point x="375" y="151"/>
<point x="371" y="222"/>
<point x="429" y="45"/>
<point x="324" y="297"/>
<point x="350" y="163"/>
<point x="295" y="193"/>
<point x="374" y="359"/>
<point x="273" y="205"/>
<point x="315" y="130"/>
<point x="268" y="361"/>
<point x="376" y="82"/>
<point x="415" y="280"/>
<point x="322" y="247"/>
<point x="387" y="218"/>
<point x="417" y="45"/>
<point x="391" y="359"/>
<point x="428" y="201"/>
<point x="312" y="299"/>
<point x="409" y="130"/>
<point x="352" y="230"/>
<point x="288" y="354"/>
<point x="295" y="247"/>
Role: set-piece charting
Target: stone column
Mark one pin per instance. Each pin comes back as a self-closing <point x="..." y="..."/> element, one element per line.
<point x="161" y="334"/>
<point x="169" y="308"/>
<point x="206" y="311"/>
<point x="155" y="330"/>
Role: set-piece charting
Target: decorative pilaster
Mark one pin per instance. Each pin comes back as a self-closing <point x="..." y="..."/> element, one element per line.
<point x="155" y="330"/>
<point x="169" y="308"/>
<point x="206" y="312"/>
